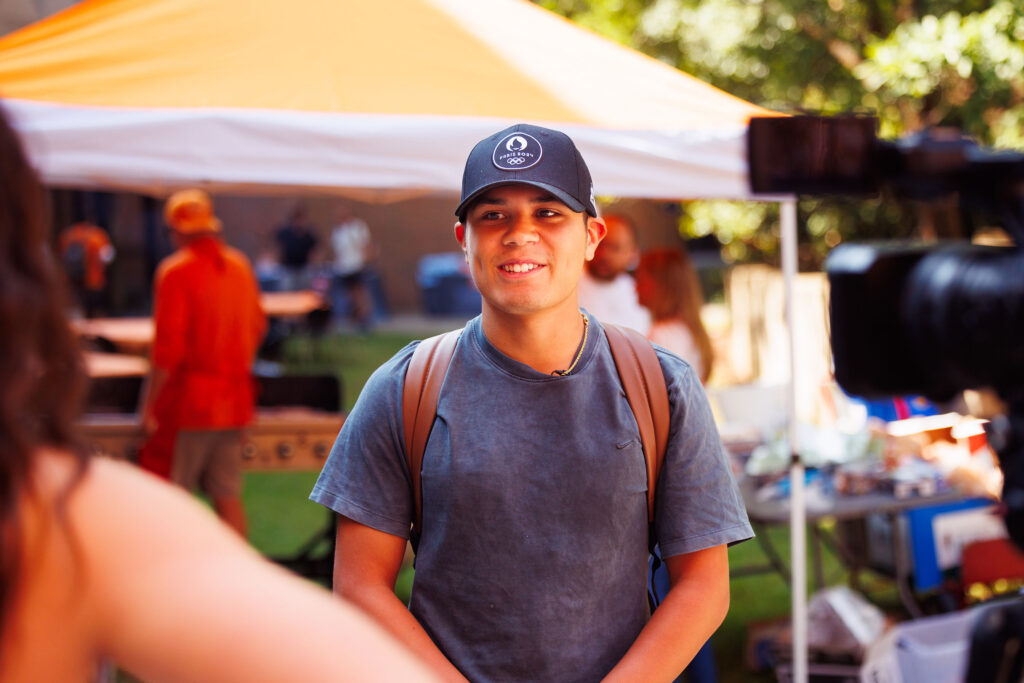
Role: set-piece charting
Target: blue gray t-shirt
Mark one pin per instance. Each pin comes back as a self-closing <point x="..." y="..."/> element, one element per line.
<point x="533" y="560"/>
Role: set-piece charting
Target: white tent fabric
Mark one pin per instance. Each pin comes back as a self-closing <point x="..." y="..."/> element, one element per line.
<point x="154" y="151"/>
<point x="343" y="95"/>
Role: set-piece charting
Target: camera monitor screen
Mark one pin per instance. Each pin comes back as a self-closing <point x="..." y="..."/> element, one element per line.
<point x="812" y="155"/>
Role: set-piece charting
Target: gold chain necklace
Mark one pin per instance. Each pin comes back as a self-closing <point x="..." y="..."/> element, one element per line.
<point x="579" y="352"/>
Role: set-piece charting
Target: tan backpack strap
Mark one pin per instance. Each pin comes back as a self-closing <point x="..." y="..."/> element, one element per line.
<point x="644" y="382"/>
<point x="423" y="380"/>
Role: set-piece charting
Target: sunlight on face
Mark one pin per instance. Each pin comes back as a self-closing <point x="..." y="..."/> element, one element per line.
<point x="526" y="249"/>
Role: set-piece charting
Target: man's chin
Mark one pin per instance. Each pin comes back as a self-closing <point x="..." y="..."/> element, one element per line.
<point x="515" y="305"/>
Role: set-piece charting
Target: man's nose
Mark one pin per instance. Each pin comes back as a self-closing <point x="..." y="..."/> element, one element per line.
<point x="521" y="231"/>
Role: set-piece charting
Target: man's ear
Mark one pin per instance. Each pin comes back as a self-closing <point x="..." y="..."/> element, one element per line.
<point x="460" y="236"/>
<point x="596" y="230"/>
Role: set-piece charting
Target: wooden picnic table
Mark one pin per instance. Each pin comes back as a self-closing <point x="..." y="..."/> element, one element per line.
<point x="134" y="335"/>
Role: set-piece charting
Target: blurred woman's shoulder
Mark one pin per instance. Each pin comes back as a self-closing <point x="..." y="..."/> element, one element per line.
<point x="48" y="632"/>
<point x="114" y="509"/>
<point x="119" y="564"/>
<point x="91" y="533"/>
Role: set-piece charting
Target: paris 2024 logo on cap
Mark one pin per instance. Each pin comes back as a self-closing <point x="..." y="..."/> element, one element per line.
<point x="517" y="151"/>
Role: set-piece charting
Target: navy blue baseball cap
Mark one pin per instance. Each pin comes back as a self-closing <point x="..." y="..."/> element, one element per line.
<point x="530" y="155"/>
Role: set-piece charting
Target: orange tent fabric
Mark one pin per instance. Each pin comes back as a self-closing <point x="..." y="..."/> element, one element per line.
<point x="332" y="94"/>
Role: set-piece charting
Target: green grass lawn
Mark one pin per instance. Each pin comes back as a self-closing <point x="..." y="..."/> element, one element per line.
<point x="351" y="358"/>
<point x="282" y="518"/>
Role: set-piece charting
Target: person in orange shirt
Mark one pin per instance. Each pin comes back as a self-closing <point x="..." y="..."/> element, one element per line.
<point x="200" y="394"/>
<point x="86" y="251"/>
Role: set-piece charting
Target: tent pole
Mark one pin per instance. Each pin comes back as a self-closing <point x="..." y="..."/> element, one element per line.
<point x="797" y="519"/>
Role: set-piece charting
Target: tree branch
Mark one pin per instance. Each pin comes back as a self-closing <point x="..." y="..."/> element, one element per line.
<point x="842" y="51"/>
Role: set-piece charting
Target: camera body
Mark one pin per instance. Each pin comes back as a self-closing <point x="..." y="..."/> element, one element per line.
<point x="909" y="318"/>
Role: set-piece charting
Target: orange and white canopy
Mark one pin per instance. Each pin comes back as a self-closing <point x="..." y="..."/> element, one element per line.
<point x="338" y="95"/>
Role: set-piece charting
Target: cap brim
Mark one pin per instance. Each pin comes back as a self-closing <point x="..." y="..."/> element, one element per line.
<point x="561" y="195"/>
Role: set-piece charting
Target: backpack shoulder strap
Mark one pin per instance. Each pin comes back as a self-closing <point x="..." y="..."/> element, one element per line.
<point x="423" y="380"/>
<point x="644" y="382"/>
<point x="635" y="360"/>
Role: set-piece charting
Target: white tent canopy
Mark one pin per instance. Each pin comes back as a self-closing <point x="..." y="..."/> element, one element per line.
<point x="156" y="150"/>
<point x="339" y="95"/>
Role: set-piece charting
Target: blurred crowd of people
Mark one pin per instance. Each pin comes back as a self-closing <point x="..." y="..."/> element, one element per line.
<point x="341" y="270"/>
<point x="295" y="258"/>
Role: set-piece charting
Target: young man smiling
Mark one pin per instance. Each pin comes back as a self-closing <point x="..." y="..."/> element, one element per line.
<point x="524" y="251"/>
<point x="532" y="560"/>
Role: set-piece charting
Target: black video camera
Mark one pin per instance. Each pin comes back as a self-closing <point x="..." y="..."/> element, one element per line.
<point x="910" y="318"/>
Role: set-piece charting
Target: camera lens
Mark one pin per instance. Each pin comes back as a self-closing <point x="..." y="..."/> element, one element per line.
<point x="963" y="309"/>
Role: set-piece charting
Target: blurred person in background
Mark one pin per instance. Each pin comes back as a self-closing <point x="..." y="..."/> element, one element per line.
<point x="353" y="254"/>
<point x="200" y="396"/>
<point x="100" y="562"/>
<point x="86" y="252"/>
<point x="606" y="289"/>
<point x="296" y="241"/>
<point x="667" y="285"/>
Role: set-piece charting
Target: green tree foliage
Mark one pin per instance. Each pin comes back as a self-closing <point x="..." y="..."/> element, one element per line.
<point x="912" y="63"/>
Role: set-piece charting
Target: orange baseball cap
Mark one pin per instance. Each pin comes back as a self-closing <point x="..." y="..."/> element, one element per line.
<point x="190" y="212"/>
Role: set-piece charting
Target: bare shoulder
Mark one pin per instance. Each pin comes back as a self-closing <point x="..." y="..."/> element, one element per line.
<point x="156" y="564"/>
<point x="95" y="534"/>
<point x="49" y="604"/>
<point x="122" y="519"/>
<point x="118" y="507"/>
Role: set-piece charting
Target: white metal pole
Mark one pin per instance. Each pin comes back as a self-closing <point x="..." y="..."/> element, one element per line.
<point x="797" y="516"/>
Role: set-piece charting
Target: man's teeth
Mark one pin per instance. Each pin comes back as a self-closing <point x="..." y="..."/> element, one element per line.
<point x="520" y="267"/>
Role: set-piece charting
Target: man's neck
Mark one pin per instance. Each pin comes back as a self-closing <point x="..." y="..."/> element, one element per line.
<point x="547" y="342"/>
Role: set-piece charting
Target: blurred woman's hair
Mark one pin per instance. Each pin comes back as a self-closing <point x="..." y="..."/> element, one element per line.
<point x="41" y="370"/>
<point x="677" y="295"/>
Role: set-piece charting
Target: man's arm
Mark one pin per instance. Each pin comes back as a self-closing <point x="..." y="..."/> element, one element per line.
<point x="169" y="326"/>
<point x="151" y="388"/>
<point x="366" y="564"/>
<point x="694" y="608"/>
